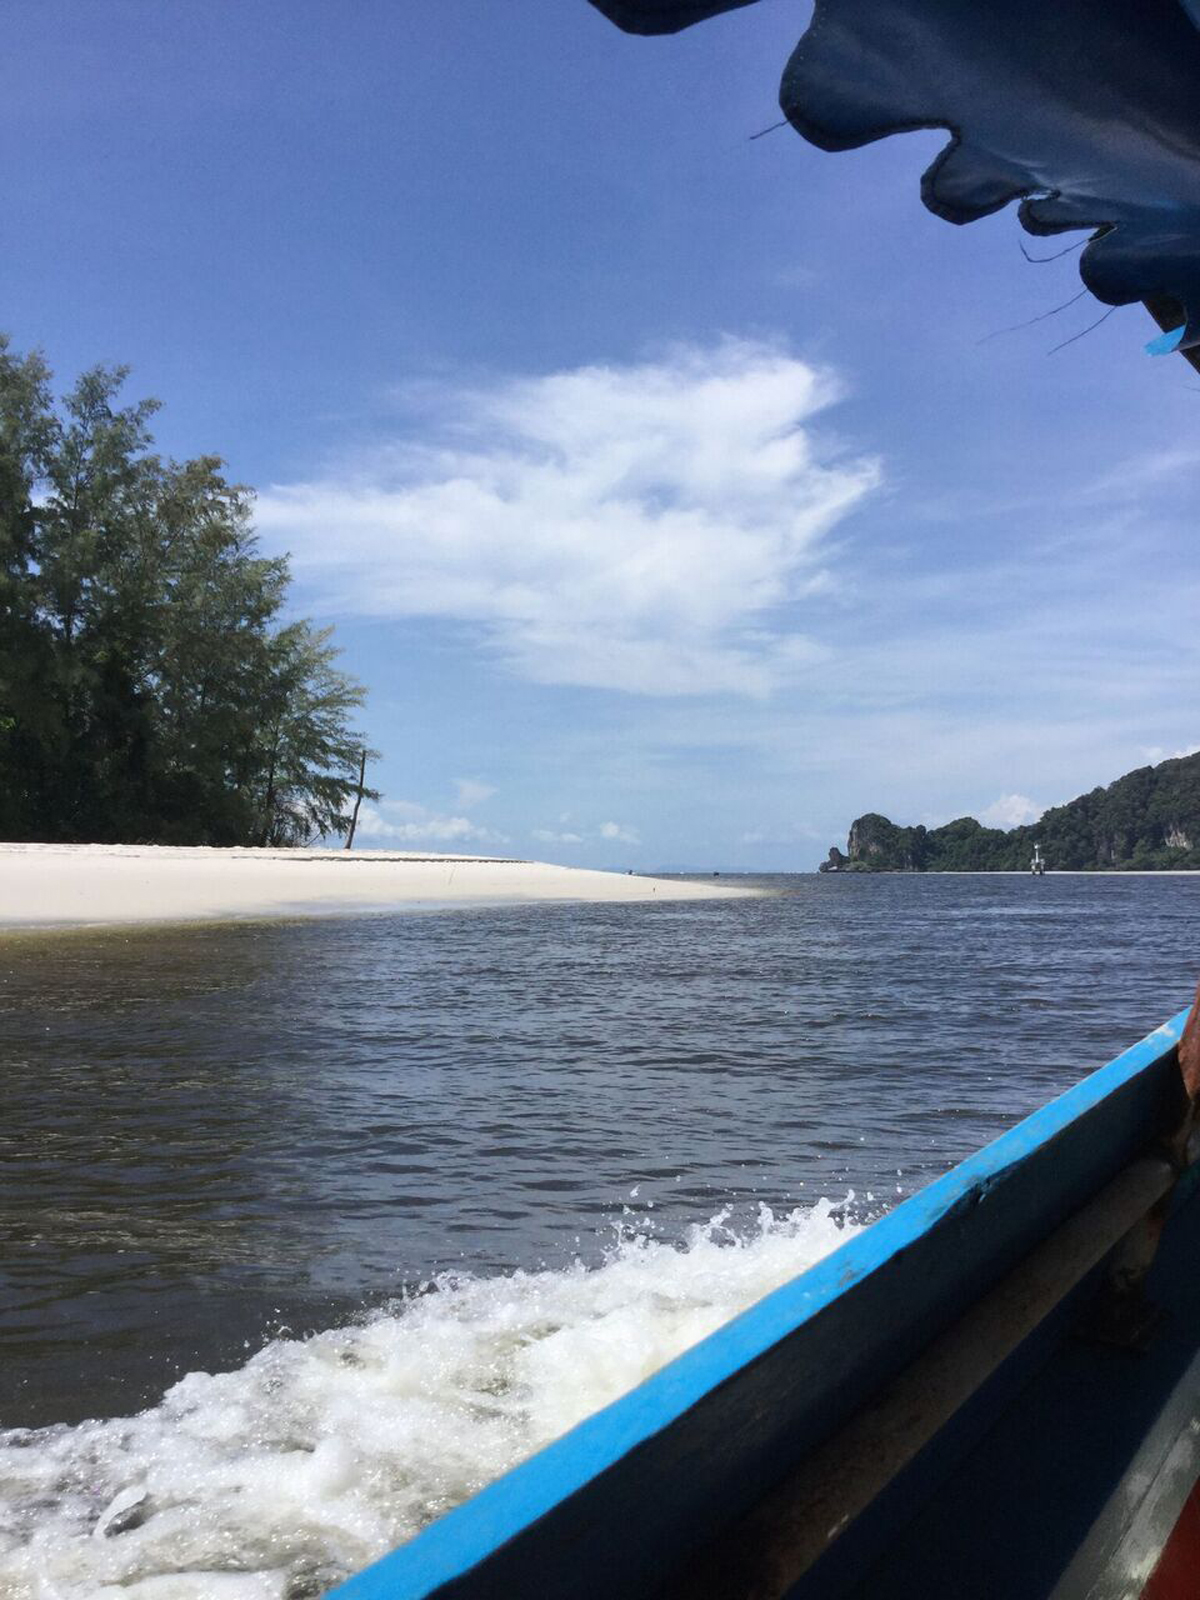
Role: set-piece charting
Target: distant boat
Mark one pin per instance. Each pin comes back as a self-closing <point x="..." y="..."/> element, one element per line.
<point x="993" y="1393"/>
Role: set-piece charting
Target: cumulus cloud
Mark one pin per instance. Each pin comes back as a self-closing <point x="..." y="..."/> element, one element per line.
<point x="402" y="824"/>
<point x="471" y="792"/>
<point x="1010" y="811"/>
<point x="653" y="528"/>
<point x="607" y="832"/>
<point x="619" y="832"/>
<point x="781" y="833"/>
<point x="1154" y="753"/>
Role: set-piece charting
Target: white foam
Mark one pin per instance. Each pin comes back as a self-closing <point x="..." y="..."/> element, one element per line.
<point x="275" y="1481"/>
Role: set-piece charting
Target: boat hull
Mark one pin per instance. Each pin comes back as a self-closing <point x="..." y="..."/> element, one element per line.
<point x="695" y="1481"/>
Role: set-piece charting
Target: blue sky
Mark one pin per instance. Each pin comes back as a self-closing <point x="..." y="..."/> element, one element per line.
<point x="656" y="479"/>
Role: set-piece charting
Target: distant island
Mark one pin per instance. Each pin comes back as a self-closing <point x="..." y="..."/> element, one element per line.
<point x="1149" y="820"/>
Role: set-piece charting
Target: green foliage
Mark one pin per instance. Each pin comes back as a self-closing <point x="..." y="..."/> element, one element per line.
<point x="149" y="690"/>
<point x="1148" y="820"/>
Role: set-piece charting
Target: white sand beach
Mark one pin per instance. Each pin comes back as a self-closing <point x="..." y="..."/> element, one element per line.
<point x="71" y="885"/>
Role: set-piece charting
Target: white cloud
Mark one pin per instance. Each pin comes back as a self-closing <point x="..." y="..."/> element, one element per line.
<point x="782" y="833"/>
<point x="610" y="832"/>
<point x="1010" y="811"/>
<point x="1154" y="753"/>
<point x="1153" y="469"/>
<point x="616" y="830"/>
<point x="651" y="528"/>
<point x="471" y="792"/>
<point x="410" y="824"/>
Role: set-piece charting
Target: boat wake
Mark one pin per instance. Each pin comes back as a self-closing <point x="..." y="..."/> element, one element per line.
<point x="275" y="1481"/>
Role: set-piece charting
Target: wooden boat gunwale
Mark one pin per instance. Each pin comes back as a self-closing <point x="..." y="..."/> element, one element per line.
<point x="706" y="1437"/>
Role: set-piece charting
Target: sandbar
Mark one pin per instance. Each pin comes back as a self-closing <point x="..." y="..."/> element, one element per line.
<point x="73" y="885"/>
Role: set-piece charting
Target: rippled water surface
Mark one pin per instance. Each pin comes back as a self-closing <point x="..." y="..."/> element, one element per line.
<point x="221" y="1138"/>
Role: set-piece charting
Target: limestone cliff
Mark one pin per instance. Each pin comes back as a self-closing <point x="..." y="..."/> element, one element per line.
<point x="1147" y="820"/>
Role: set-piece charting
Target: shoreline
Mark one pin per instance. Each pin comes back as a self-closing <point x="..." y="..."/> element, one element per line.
<point x="47" y="886"/>
<point x="1015" y="872"/>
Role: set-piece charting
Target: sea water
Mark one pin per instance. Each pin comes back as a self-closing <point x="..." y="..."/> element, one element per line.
<point x="312" y="1229"/>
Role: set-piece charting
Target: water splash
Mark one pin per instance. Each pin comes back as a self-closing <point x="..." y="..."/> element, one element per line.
<point x="275" y="1481"/>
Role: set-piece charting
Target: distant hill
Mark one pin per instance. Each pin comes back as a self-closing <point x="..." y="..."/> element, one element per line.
<point x="1147" y="820"/>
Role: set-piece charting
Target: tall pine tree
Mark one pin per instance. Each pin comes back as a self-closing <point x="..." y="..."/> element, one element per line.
<point x="149" y="688"/>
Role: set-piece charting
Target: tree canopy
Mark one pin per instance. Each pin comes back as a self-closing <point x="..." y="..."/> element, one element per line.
<point x="151" y="689"/>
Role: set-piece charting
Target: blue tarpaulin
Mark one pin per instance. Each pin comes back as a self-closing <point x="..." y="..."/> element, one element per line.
<point x="1086" y="112"/>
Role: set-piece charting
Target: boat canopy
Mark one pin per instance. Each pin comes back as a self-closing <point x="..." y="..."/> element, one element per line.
<point x="1087" y="112"/>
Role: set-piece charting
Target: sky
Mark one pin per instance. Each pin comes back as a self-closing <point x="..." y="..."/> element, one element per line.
<point x="678" y="495"/>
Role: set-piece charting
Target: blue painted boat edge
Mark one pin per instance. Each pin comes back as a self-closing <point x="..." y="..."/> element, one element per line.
<point x="458" y="1542"/>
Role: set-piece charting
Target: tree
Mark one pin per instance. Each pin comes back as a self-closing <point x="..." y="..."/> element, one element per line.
<point x="308" y="759"/>
<point x="27" y="437"/>
<point x="149" y="689"/>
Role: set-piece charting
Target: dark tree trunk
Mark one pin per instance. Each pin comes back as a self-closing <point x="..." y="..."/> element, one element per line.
<point x="362" y="773"/>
